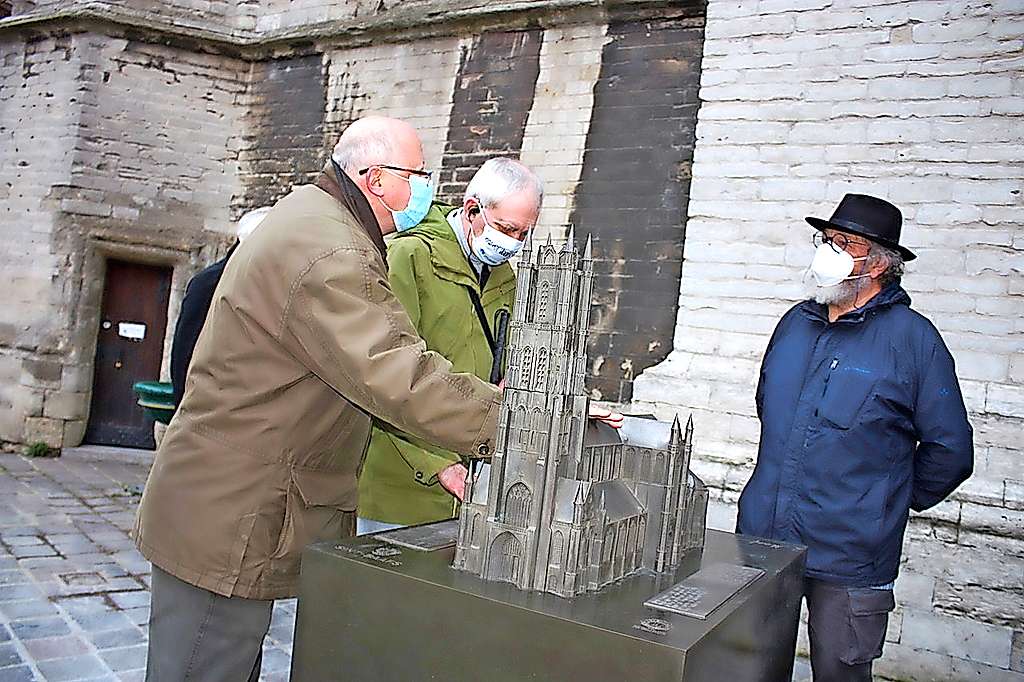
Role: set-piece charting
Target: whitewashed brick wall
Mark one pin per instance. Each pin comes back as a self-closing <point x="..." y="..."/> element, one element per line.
<point x="412" y="81"/>
<point x="556" y="131"/>
<point x="919" y="102"/>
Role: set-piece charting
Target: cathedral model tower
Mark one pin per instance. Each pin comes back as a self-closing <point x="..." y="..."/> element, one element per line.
<point x="568" y="506"/>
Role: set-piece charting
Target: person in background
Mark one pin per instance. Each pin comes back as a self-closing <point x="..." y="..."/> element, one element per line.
<point x="451" y="274"/>
<point x="862" y="420"/>
<point x="196" y="303"/>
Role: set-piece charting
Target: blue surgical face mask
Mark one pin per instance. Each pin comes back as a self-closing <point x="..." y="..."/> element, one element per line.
<point x="421" y="194"/>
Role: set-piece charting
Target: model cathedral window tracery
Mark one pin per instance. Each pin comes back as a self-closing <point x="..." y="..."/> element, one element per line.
<point x="568" y="506"/>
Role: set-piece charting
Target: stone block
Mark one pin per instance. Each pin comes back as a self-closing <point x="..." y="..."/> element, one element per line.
<point x="995" y="520"/>
<point x="915" y="590"/>
<point x="74" y="433"/>
<point x="1005" y="399"/>
<point x="958" y="637"/>
<point x="41" y="373"/>
<point x="63" y="405"/>
<point x="44" y="430"/>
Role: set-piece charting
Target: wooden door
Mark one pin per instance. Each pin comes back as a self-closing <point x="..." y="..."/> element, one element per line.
<point x="129" y="348"/>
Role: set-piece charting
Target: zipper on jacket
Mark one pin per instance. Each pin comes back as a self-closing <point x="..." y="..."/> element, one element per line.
<point x="831" y="369"/>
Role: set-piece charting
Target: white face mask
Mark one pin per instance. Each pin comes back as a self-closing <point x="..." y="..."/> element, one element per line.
<point x="492" y="246"/>
<point x="830" y="267"/>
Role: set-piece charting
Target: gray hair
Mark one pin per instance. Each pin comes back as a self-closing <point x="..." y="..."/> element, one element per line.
<point x="500" y="178"/>
<point x="895" y="265"/>
<point x="362" y="146"/>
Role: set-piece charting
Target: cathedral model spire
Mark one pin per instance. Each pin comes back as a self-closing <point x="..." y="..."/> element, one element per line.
<point x="568" y="506"/>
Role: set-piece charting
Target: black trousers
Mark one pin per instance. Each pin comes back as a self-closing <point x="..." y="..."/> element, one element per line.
<point x="847" y="629"/>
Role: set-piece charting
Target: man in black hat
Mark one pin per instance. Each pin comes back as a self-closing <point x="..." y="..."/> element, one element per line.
<point x="861" y="420"/>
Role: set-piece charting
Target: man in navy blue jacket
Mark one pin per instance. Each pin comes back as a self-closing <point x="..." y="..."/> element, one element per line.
<point x="861" y="420"/>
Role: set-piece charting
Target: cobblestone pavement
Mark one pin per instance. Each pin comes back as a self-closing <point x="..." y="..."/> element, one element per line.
<point x="74" y="593"/>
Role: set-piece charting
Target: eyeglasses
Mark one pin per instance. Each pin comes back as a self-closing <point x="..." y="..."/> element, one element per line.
<point x="838" y="241"/>
<point x="517" y="233"/>
<point x="429" y="175"/>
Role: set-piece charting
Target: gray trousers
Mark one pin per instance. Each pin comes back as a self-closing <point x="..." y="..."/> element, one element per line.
<point x="847" y="629"/>
<point x="200" y="636"/>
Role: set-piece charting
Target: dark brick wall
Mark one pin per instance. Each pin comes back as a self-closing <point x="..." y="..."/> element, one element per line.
<point x="492" y="101"/>
<point x="284" y="145"/>
<point x="633" y="193"/>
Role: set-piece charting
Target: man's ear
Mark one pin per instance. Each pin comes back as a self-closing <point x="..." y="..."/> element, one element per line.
<point x="375" y="181"/>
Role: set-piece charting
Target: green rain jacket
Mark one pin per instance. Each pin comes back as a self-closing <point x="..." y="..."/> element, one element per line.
<point x="429" y="274"/>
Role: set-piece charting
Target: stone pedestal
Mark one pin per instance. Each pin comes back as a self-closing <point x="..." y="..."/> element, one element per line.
<point x="372" y="610"/>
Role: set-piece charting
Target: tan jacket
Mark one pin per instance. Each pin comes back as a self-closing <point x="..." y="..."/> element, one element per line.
<point x="303" y="342"/>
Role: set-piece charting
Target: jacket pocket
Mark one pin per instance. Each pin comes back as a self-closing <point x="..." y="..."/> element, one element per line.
<point x="868" y="619"/>
<point x="319" y="507"/>
<point x="846" y="391"/>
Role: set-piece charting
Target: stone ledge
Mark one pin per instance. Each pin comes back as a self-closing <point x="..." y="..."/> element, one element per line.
<point x="429" y="18"/>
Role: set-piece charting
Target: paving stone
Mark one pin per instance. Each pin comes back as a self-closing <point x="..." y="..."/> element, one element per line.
<point x="275" y="660"/>
<point x="73" y="668"/>
<point x="130" y="600"/>
<point x="23" y="540"/>
<point x="19" y="592"/>
<point x="132" y="676"/>
<point x="9" y="655"/>
<point x="39" y="628"/>
<point x="14" y="578"/>
<point x="129" y="658"/>
<point x="113" y="639"/>
<point x="99" y="622"/>
<point x="20" y="674"/>
<point x="33" y="550"/>
<point x="33" y="608"/>
<point x="56" y="647"/>
<point x="81" y="606"/>
<point x="139" y="616"/>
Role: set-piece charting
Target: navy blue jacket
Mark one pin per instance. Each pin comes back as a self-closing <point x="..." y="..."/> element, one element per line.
<point x="861" y="421"/>
<point x="194" y="308"/>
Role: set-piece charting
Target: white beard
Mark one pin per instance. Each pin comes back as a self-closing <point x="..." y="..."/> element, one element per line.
<point x="842" y="294"/>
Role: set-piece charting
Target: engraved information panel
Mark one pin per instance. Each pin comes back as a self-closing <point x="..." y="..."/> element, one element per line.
<point x="426" y="538"/>
<point x="701" y="593"/>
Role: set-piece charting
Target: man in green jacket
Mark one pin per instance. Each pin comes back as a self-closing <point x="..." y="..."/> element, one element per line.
<point x="440" y="269"/>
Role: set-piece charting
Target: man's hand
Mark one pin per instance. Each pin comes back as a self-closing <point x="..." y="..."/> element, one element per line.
<point x="453" y="479"/>
<point x="612" y="419"/>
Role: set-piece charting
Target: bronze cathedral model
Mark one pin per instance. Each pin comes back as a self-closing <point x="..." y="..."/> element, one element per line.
<point x="568" y="506"/>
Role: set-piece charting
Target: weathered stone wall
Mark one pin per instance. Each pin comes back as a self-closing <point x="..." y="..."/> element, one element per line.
<point x="109" y="148"/>
<point x="183" y="124"/>
<point x="919" y="102"/>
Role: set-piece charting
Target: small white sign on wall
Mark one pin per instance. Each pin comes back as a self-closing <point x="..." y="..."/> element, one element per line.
<point x="136" y="331"/>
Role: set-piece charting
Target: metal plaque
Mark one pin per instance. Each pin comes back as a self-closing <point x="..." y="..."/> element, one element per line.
<point x="704" y="591"/>
<point x="426" y="538"/>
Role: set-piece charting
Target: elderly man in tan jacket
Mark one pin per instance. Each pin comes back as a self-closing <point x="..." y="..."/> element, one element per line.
<point x="303" y="343"/>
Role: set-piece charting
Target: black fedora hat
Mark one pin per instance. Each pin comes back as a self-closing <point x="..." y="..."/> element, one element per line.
<point x="870" y="217"/>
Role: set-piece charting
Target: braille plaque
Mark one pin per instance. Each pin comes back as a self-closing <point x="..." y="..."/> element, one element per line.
<point x="425" y="538"/>
<point x="701" y="593"/>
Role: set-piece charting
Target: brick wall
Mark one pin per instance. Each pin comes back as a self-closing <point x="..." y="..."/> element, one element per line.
<point x="493" y="96"/>
<point x="919" y="102"/>
<point x="107" y="147"/>
<point x="283" y="138"/>
<point x="36" y="99"/>
<point x="413" y="81"/>
<point x="633" y="191"/>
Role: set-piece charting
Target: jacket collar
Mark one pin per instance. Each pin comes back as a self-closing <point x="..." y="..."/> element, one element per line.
<point x="446" y="254"/>
<point x="336" y="183"/>
<point x="894" y="294"/>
